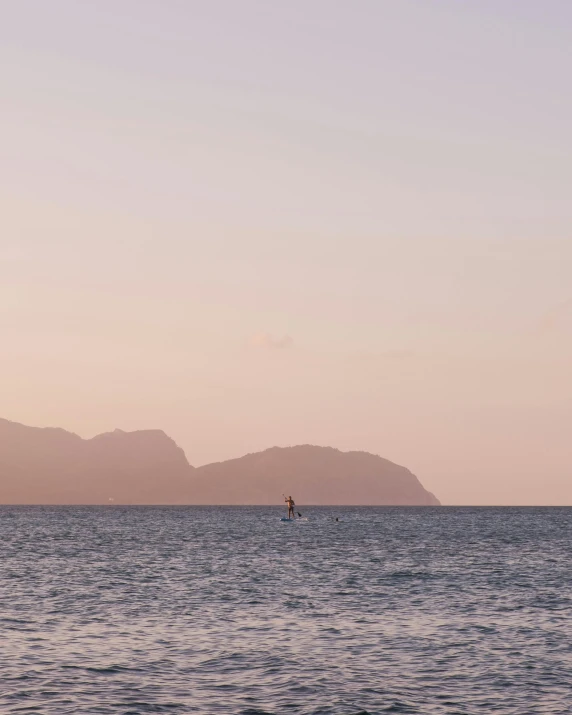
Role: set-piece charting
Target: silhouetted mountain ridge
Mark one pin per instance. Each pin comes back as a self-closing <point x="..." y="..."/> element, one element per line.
<point x="52" y="466"/>
<point x="319" y="475"/>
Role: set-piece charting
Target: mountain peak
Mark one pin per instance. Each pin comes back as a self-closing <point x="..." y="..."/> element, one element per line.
<point x="318" y="475"/>
<point x="52" y="466"/>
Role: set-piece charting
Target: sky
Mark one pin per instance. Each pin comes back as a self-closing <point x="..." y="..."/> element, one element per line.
<point x="254" y="223"/>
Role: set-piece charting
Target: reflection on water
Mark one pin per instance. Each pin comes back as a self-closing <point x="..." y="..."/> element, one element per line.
<point x="228" y="610"/>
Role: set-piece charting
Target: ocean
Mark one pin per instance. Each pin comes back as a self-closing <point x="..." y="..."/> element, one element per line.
<point x="129" y="610"/>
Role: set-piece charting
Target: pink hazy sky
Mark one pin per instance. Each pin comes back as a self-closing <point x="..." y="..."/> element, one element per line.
<point x="255" y="223"/>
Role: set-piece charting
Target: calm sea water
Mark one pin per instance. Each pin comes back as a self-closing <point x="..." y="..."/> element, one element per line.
<point x="228" y="610"/>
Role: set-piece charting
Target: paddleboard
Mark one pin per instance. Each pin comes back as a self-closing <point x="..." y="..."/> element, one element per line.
<point x="300" y="518"/>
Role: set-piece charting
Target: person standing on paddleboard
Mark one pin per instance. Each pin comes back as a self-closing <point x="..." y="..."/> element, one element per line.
<point x="290" y="502"/>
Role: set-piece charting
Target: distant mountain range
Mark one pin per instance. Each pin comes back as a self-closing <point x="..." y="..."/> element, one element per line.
<point x="52" y="466"/>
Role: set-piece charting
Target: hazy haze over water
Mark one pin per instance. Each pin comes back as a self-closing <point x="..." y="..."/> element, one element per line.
<point x="337" y="223"/>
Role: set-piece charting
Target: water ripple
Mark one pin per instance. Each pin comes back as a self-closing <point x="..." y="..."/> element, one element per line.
<point x="228" y="610"/>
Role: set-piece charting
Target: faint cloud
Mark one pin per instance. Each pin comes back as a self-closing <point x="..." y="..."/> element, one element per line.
<point x="555" y="318"/>
<point x="393" y="355"/>
<point x="269" y="342"/>
<point x="398" y="354"/>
